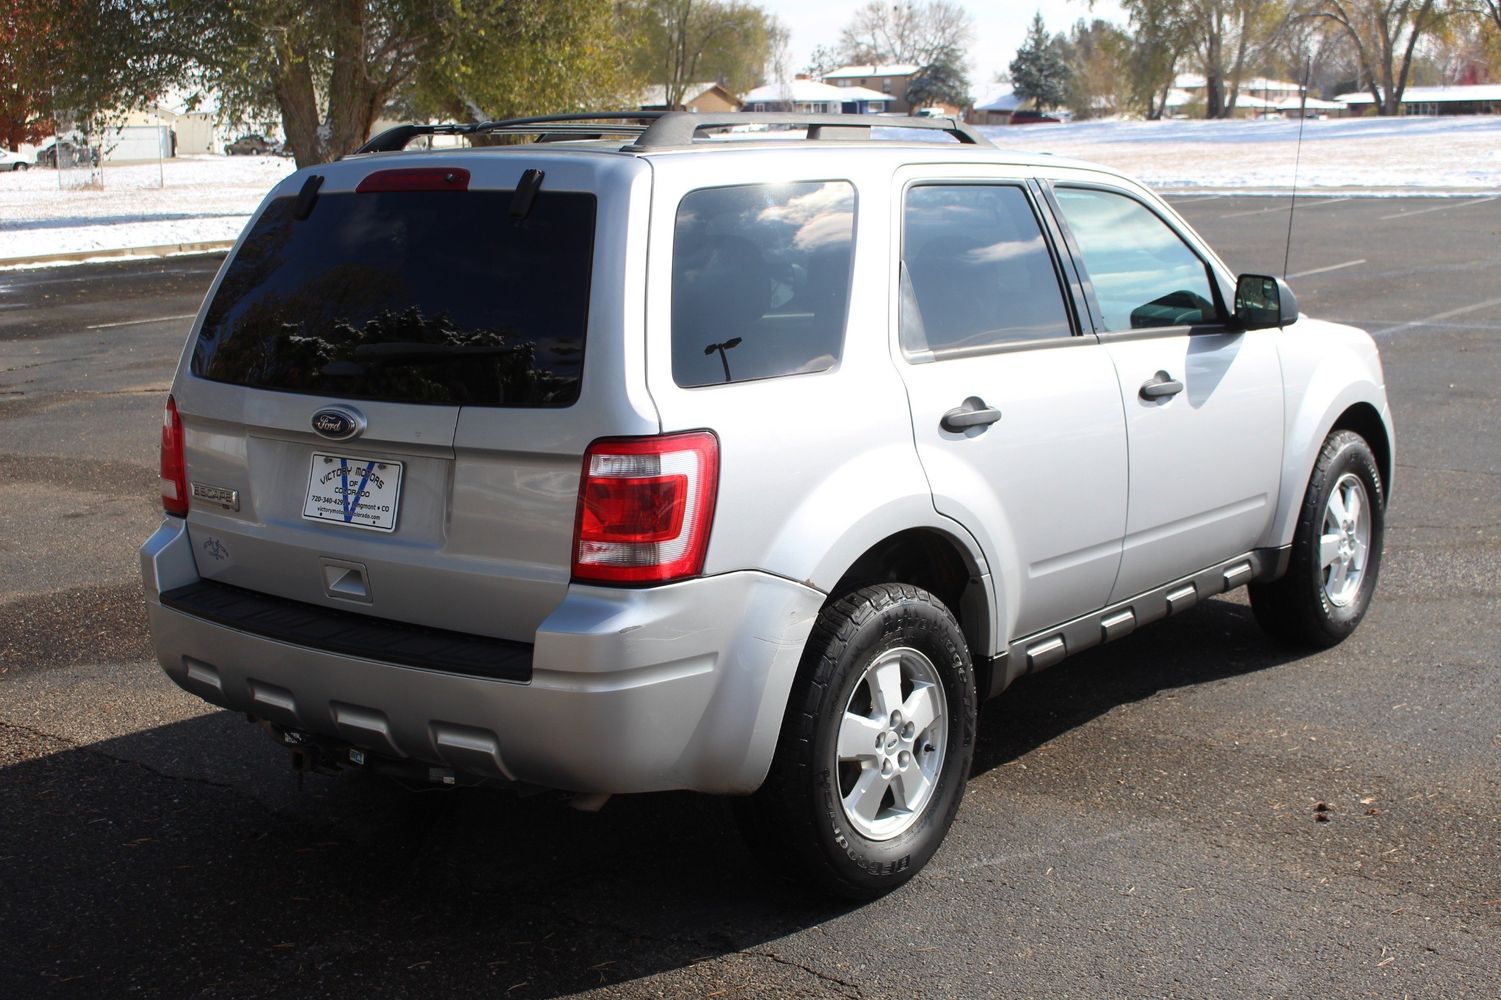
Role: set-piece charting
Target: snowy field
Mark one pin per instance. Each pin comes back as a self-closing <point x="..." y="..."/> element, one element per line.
<point x="1396" y="156"/>
<point x="190" y="199"/>
<point x="199" y="199"/>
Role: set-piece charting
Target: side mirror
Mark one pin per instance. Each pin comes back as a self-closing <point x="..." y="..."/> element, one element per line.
<point x="1262" y="301"/>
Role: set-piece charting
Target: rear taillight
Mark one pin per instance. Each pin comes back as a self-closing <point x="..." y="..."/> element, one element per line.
<point x="645" y="507"/>
<point x="174" y="472"/>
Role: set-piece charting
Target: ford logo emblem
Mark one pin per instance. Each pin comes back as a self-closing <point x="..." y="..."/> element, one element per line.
<point x="338" y="423"/>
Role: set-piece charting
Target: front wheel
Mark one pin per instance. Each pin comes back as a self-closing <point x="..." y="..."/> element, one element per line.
<point x="1336" y="554"/>
<point x="876" y="745"/>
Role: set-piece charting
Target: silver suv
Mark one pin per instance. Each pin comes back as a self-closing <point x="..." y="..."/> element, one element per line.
<point x="743" y="454"/>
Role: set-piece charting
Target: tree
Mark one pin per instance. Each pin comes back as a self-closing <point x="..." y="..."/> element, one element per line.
<point x="1039" y="73"/>
<point x="1098" y="57"/>
<point x="72" y="60"/>
<point x="940" y="82"/>
<point x="1227" y="37"/>
<point x="914" y="33"/>
<point x="1385" y="34"/>
<point x="822" y="60"/>
<point x="683" y="42"/>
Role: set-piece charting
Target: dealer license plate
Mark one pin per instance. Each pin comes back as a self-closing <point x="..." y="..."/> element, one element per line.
<point x="359" y="492"/>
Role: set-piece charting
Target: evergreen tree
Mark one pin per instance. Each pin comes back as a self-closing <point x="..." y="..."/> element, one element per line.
<point x="1039" y="73"/>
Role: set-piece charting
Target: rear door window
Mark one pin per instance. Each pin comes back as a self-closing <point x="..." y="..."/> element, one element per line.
<point x="408" y="296"/>
<point x="976" y="271"/>
<point x="760" y="281"/>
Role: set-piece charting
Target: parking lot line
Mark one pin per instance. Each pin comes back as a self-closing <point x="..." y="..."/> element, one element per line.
<point x="1331" y="267"/>
<point x="138" y="322"/>
<point x="1476" y="307"/>
<point x="1282" y="207"/>
<point x="1439" y="208"/>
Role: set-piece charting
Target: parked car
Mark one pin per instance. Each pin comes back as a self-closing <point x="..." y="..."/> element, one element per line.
<point x="1030" y="117"/>
<point x="12" y="161"/>
<point x="250" y="145"/>
<point x="73" y="154"/>
<point x="742" y="466"/>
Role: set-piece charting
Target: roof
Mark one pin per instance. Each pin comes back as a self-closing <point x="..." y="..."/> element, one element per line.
<point x="1000" y="97"/>
<point x="875" y="69"/>
<point x="1433" y="95"/>
<point x="1196" y="81"/>
<point x="1294" y="103"/>
<point x="808" y="91"/>
<point x="656" y="94"/>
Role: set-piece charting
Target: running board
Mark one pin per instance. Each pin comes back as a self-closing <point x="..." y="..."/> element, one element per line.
<point x="1052" y="645"/>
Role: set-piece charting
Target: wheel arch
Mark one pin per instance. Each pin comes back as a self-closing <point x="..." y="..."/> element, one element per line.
<point x="941" y="563"/>
<point x="1365" y="420"/>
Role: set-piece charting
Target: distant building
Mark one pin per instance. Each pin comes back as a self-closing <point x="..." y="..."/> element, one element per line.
<point x="708" y="96"/>
<point x="994" y="104"/>
<point x="1465" y="99"/>
<point x="889" y="79"/>
<point x="812" y="97"/>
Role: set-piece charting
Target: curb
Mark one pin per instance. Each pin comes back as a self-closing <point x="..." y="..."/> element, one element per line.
<point x="77" y="256"/>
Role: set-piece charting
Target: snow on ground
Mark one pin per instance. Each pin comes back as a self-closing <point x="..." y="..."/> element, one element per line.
<point x="190" y="199"/>
<point x="195" y="199"/>
<point x="1430" y="156"/>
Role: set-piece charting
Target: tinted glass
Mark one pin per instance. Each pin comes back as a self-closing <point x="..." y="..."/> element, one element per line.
<point x="760" y="281"/>
<point x="415" y="297"/>
<point x="1144" y="275"/>
<point x="977" y="272"/>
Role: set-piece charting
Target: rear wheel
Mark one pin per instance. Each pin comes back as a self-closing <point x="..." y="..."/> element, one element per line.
<point x="1336" y="555"/>
<point x="876" y="745"/>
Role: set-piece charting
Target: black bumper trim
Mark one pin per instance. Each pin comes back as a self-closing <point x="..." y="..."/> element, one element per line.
<point x="349" y="634"/>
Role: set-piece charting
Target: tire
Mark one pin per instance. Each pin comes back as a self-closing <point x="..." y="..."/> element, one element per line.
<point x="1336" y="558"/>
<point x="881" y="645"/>
<point x="19" y="166"/>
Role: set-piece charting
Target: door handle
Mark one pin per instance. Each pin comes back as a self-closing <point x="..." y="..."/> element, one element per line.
<point x="971" y="413"/>
<point x="1161" y="386"/>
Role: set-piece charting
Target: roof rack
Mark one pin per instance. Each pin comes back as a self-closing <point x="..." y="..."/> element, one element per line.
<point x="662" y="129"/>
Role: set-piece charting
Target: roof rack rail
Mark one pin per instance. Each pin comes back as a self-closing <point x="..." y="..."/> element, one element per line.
<point x="589" y="124"/>
<point x="662" y="129"/>
<point x="678" y="128"/>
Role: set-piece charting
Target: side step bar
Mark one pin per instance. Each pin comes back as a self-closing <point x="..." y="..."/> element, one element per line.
<point x="1041" y="650"/>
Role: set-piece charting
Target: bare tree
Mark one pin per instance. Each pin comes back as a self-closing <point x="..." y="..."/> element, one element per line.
<point x="1384" y="33"/>
<point x="915" y="33"/>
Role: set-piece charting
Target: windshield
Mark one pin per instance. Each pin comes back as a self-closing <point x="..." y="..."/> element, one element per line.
<point x="411" y="296"/>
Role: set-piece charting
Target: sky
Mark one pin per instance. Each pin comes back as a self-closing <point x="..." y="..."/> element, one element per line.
<point x="1000" y="26"/>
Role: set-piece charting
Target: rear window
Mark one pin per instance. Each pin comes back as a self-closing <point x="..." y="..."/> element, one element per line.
<point x="760" y="281"/>
<point x="411" y="296"/>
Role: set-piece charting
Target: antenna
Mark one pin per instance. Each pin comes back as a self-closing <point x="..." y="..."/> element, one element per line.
<point x="1297" y="160"/>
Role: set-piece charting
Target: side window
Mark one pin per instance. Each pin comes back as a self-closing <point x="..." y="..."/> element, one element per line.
<point x="976" y="271"/>
<point x="1144" y="275"/>
<point x="760" y="281"/>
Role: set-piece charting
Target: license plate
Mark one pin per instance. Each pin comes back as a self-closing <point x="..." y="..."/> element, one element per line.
<point x="359" y="492"/>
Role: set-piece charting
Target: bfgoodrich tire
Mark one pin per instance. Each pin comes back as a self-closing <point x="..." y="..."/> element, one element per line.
<point x="1336" y="554"/>
<point x="875" y="748"/>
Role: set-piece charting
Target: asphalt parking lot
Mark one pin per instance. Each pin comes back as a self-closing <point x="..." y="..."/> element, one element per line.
<point x="1140" y="822"/>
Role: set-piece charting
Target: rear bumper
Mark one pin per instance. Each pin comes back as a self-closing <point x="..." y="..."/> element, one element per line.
<point x="674" y="687"/>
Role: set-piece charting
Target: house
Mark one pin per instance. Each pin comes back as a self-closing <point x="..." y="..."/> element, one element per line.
<point x="1465" y="99"/>
<point x="993" y="105"/>
<point x="890" y="79"/>
<point x="812" y="97"/>
<point x="708" y="96"/>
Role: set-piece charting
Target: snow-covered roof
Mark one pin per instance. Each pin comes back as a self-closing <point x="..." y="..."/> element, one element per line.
<point x="1314" y="103"/>
<point x="1196" y="81"/>
<point x="882" y="69"/>
<point x="997" y="97"/>
<point x="809" y="91"/>
<point x="1433" y="95"/>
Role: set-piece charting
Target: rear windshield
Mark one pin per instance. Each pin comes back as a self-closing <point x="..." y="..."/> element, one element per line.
<point x="411" y="296"/>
